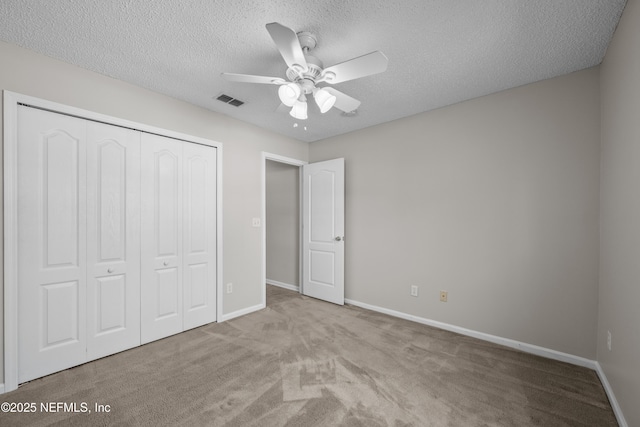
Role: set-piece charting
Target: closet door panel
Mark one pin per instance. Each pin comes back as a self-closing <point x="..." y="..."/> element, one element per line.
<point x="113" y="236"/>
<point x="161" y="263"/>
<point x="51" y="242"/>
<point x="199" y="235"/>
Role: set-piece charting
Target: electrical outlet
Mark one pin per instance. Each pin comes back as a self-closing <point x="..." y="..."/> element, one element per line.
<point x="255" y="222"/>
<point x="229" y="288"/>
<point x="443" y="296"/>
<point x="609" y="340"/>
<point x="414" y="291"/>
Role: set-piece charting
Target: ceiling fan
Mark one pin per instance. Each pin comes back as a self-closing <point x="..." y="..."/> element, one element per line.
<point x="305" y="72"/>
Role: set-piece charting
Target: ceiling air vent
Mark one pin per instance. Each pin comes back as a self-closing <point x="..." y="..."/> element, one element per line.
<point x="229" y="100"/>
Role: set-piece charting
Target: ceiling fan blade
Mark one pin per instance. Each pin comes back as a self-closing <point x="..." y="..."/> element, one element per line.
<point x="287" y="43"/>
<point x="343" y="102"/>
<point x="362" y="66"/>
<point x="247" y="78"/>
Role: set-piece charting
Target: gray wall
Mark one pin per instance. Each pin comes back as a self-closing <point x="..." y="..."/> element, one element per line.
<point x="494" y="200"/>
<point x="620" y="214"/>
<point x="33" y="74"/>
<point x="283" y="222"/>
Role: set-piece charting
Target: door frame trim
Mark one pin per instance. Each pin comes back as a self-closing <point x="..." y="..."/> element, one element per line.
<point x="11" y="102"/>
<point x="263" y="215"/>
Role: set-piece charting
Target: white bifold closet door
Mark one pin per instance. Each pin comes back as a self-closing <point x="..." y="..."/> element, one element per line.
<point x="178" y="236"/>
<point x="116" y="239"/>
<point x="52" y="242"/>
<point x="113" y="239"/>
<point x="78" y="244"/>
<point x="199" y="235"/>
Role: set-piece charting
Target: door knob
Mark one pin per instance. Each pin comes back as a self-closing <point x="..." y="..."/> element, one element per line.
<point x="338" y="238"/>
<point x="109" y="270"/>
<point x="165" y="263"/>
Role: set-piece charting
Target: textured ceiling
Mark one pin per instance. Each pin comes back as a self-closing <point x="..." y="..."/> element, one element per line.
<point x="440" y="51"/>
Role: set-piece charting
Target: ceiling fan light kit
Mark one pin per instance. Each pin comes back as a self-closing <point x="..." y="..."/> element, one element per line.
<point x="289" y="94"/>
<point x="324" y="100"/>
<point x="305" y="72"/>
<point x="299" y="110"/>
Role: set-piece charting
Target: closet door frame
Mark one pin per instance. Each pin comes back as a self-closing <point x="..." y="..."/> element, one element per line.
<point x="10" y="186"/>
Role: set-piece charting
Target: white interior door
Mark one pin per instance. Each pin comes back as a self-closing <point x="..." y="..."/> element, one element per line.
<point x="51" y="242"/>
<point x="161" y="245"/>
<point x="323" y="230"/>
<point x="200" y="269"/>
<point x="113" y="239"/>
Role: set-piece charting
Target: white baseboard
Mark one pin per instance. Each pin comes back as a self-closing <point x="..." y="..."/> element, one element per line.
<point x="283" y="285"/>
<point x="612" y="398"/>
<point x="528" y="348"/>
<point x="241" y="312"/>
<point x="248" y="310"/>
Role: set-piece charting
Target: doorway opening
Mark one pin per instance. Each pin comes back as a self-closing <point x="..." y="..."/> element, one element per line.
<point x="281" y="217"/>
<point x="320" y="229"/>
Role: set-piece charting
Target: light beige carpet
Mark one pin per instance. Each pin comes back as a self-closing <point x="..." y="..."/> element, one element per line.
<point x="303" y="362"/>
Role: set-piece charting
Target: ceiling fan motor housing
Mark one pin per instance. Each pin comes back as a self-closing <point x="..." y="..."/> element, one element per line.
<point x="307" y="41"/>
<point x="313" y="71"/>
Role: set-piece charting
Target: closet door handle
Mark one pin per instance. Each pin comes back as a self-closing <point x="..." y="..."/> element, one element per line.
<point x="109" y="270"/>
<point x="165" y="263"/>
